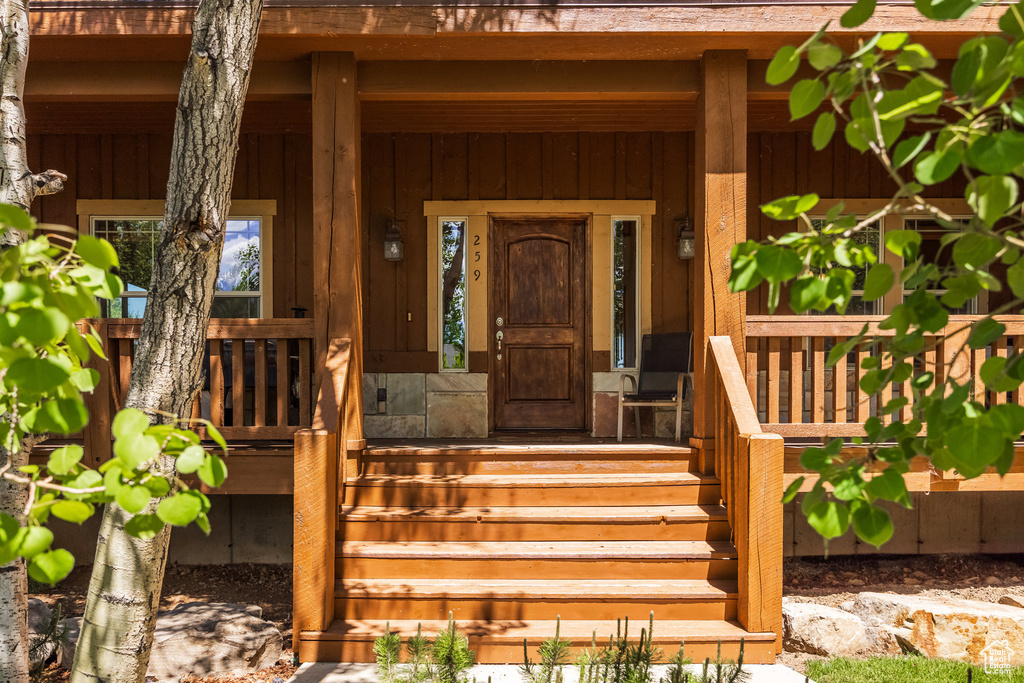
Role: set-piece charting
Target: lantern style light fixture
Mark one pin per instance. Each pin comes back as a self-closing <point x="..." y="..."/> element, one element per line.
<point x="687" y="244"/>
<point x="394" y="247"/>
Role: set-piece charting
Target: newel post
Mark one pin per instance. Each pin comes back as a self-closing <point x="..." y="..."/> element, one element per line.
<point x="720" y="212"/>
<point x="337" y="234"/>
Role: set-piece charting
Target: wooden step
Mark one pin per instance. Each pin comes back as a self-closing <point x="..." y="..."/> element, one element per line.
<point x="509" y="523"/>
<point x="533" y="599"/>
<point x="501" y="641"/>
<point x="411" y="459"/>
<point x="471" y="560"/>
<point x="475" y="490"/>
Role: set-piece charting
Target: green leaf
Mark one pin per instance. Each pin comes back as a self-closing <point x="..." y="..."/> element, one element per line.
<point x="74" y="511"/>
<point x="1010" y="22"/>
<point x="915" y="57"/>
<point x="909" y="148"/>
<point x="848" y="486"/>
<point x="191" y="459"/>
<point x="36" y="375"/>
<point x="15" y="217"/>
<point x="972" y="443"/>
<point x="1015" y="278"/>
<point x="889" y="485"/>
<point x="97" y="252"/>
<point x="903" y="243"/>
<point x="997" y="153"/>
<point x="64" y="458"/>
<point x="824" y="129"/>
<point x="829" y="519"/>
<point x="133" y="498"/>
<point x="788" y="208"/>
<point x="778" y="264"/>
<point x="203" y="522"/>
<point x="50" y="567"/>
<point x="85" y="379"/>
<point x="179" y="509"/>
<point x="136" y="449"/>
<point x="994" y="376"/>
<point x="937" y="166"/>
<point x="858" y="14"/>
<point x="129" y="421"/>
<point x="985" y="332"/>
<point x="806" y="292"/>
<point x="975" y="250"/>
<point x="783" y="65"/>
<point x="992" y="196"/>
<point x="213" y="471"/>
<point x="144" y="526"/>
<point x="37" y="539"/>
<point x="892" y="41"/>
<point x="215" y="434"/>
<point x="824" y="56"/>
<point x="878" y="282"/>
<point x="158" y="486"/>
<point x="872" y="524"/>
<point x="61" y="416"/>
<point x="793" y="489"/>
<point x="43" y="326"/>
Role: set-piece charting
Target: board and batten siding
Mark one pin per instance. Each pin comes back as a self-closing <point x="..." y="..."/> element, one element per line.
<point x="276" y="166"/>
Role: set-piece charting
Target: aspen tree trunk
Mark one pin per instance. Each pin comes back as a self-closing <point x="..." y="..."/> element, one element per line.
<point x="124" y="591"/>
<point x="18" y="185"/>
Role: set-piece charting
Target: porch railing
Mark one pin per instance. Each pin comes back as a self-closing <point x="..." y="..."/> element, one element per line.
<point x="749" y="464"/>
<point x="797" y="395"/>
<point x="257" y="379"/>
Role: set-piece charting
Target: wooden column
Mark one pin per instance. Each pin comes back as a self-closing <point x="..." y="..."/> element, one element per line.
<point x="720" y="215"/>
<point x="337" y="235"/>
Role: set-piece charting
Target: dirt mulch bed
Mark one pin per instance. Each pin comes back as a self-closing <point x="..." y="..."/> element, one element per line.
<point x="269" y="586"/>
<point x="835" y="580"/>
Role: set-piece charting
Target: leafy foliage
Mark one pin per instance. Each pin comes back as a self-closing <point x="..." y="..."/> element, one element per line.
<point x="624" y="662"/>
<point x="49" y="283"/>
<point x="885" y="99"/>
<point x="388" y="651"/>
<point x="554" y="654"/>
<point x="452" y="655"/>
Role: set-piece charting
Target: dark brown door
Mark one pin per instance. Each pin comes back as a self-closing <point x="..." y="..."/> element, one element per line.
<point x="539" y="293"/>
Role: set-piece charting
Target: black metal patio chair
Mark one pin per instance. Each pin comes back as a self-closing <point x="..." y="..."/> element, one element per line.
<point x="666" y="362"/>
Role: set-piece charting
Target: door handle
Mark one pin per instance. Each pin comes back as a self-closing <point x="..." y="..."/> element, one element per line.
<point x="499" y="336"/>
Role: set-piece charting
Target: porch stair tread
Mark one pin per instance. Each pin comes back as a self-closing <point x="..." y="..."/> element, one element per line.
<point x="537" y="589"/>
<point x="541" y="550"/>
<point x="548" y="514"/>
<point x="513" y="631"/>
<point x="571" y="451"/>
<point x="529" y="481"/>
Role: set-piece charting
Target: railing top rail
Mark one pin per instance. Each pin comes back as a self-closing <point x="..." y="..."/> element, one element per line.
<point x="734" y="385"/>
<point x="851" y="325"/>
<point x="227" y="328"/>
<point x="331" y="399"/>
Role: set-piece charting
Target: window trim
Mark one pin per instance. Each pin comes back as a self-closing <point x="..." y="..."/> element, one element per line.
<point x="638" y="303"/>
<point x="439" y="284"/>
<point x="263" y="210"/>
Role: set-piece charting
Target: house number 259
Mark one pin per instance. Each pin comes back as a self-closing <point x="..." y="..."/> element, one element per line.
<point x="476" y="256"/>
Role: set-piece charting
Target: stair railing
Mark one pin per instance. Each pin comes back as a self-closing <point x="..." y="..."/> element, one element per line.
<point x="749" y="463"/>
<point x="320" y="466"/>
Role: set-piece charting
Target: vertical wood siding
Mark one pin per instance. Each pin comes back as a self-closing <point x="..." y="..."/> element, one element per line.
<point x="135" y="166"/>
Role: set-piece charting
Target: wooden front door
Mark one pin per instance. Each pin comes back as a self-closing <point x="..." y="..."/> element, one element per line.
<point x="539" y="294"/>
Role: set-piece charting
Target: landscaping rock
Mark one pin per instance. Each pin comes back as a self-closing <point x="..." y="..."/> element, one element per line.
<point x="1012" y="599"/>
<point x="821" y="630"/>
<point x="212" y="639"/>
<point x="947" y="628"/>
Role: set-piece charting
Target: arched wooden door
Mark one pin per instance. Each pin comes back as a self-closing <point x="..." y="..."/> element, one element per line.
<point x="538" y="307"/>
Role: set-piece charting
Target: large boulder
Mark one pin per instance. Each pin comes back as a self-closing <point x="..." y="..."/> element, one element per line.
<point x="47" y="640"/>
<point x="209" y="639"/>
<point x="946" y="628"/>
<point x="821" y="630"/>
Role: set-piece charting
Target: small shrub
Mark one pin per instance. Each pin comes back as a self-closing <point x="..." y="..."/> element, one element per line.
<point x="451" y="654"/>
<point x="677" y="664"/>
<point x="388" y="649"/>
<point x="554" y="654"/>
<point x="723" y="670"/>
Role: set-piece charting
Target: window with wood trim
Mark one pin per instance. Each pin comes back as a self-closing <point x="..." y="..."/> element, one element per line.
<point x="243" y="285"/>
<point x="872" y="236"/>
<point x="452" y="245"/>
<point x="625" y="290"/>
<point x="934" y="249"/>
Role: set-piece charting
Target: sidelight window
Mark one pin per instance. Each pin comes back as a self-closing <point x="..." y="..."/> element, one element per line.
<point x="453" y="293"/>
<point x="625" y="318"/>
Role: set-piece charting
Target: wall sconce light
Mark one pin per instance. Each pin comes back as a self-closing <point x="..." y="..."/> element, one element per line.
<point x="687" y="244"/>
<point x="394" y="247"/>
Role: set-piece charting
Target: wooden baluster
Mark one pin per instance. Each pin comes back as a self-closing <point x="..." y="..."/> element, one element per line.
<point x="796" y="380"/>
<point x="752" y="370"/>
<point x="818" y="380"/>
<point x="1018" y="347"/>
<point x="259" y="402"/>
<point x="773" y="384"/>
<point x="283" y="386"/>
<point x="719" y="400"/>
<point x="886" y="395"/>
<point x="906" y="412"/>
<point x="839" y="399"/>
<point x="305" y="416"/>
<point x="124" y="369"/>
<point x="999" y="349"/>
<point x="978" y="357"/>
<point x="862" y="408"/>
<point x="217" y="382"/>
<point x="238" y="382"/>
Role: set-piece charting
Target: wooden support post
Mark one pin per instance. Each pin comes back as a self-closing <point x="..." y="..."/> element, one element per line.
<point x="758" y="529"/>
<point x="315" y="518"/>
<point x="97" y="432"/>
<point x="338" y="254"/>
<point x="720" y="212"/>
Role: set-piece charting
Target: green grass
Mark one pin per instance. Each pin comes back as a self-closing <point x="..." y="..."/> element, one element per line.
<point x="903" y="670"/>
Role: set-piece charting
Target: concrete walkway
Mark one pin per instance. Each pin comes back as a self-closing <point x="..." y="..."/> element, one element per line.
<point x="364" y="673"/>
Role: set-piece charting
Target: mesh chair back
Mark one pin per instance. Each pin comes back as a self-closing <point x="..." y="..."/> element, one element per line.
<point x="662" y="358"/>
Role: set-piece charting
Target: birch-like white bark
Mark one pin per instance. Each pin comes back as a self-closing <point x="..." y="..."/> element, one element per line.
<point x="18" y="185"/>
<point x="124" y="590"/>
